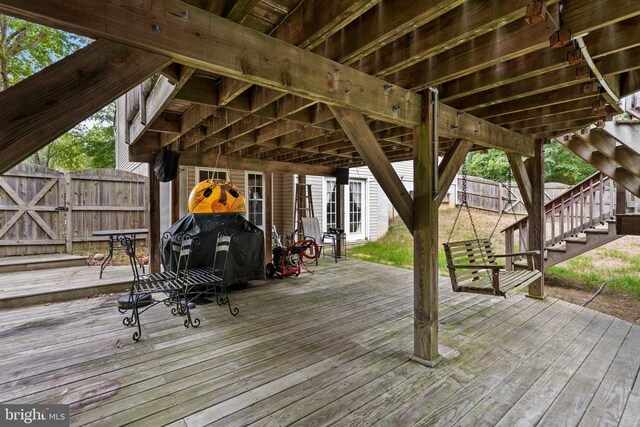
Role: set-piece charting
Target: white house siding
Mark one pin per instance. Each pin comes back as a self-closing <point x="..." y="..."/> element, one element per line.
<point x="376" y="222"/>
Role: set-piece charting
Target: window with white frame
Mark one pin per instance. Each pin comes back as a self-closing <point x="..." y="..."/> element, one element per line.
<point x="255" y="196"/>
<point x="204" y="174"/>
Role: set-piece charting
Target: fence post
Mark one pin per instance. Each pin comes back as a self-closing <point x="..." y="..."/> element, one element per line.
<point x="68" y="214"/>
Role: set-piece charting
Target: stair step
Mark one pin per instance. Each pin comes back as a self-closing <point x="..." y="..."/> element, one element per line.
<point x="580" y="240"/>
<point x="557" y="249"/>
<point x="596" y="231"/>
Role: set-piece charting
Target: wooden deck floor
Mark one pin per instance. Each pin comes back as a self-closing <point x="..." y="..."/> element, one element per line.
<point x="327" y="349"/>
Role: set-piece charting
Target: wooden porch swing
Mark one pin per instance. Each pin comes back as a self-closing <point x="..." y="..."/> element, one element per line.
<point x="472" y="263"/>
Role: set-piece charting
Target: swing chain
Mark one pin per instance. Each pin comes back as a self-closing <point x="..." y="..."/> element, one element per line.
<point x="464" y="203"/>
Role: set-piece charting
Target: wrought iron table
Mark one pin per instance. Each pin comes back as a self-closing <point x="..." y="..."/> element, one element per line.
<point x="115" y="239"/>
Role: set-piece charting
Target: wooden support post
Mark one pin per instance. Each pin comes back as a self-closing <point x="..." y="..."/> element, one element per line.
<point x="340" y="216"/>
<point x="154" y="221"/>
<point x="425" y="240"/>
<point x="175" y="199"/>
<point x="268" y="214"/>
<point x="621" y="200"/>
<point x="537" y="226"/>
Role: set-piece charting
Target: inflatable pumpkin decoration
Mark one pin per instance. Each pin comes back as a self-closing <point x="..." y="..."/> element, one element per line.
<point x="216" y="196"/>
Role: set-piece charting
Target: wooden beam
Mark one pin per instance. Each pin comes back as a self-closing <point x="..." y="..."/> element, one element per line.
<point x="44" y="106"/>
<point x="241" y="9"/>
<point x="541" y="83"/>
<point x="159" y="97"/>
<point x="585" y="113"/>
<point x="601" y="162"/>
<point x="455" y="124"/>
<point x="166" y="123"/>
<point x="540" y="100"/>
<point x="607" y="145"/>
<point x="455" y="27"/>
<point x="305" y="27"/>
<point x="449" y="166"/>
<point x="220" y="46"/>
<point x="601" y="43"/>
<point x="522" y="179"/>
<point x="630" y="83"/>
<point x="425" y="241"/>
<point x="548" y="111"/>
<point x="380" y="25"/>
<point x="315" y="20"/>
<point x="513" y="40"/>
<point x="209" y="159"/>
<point x="536" y="220"/>
<point x="355" y="127"/>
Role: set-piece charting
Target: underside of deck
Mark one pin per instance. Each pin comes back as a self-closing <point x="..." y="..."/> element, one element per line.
<point x="324" y="349"/>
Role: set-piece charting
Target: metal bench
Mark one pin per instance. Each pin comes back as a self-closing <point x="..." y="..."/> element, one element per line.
<point x="180" y="288"/>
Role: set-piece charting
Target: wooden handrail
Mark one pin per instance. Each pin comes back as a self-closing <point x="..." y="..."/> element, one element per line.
<point x="580" y="207"/>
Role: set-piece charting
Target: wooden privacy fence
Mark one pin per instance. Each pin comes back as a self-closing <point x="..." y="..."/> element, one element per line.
<point x="45" y="211"/>
<point x="494" y="196"/>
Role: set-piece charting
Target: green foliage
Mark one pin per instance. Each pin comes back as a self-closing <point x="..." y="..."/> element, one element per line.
<point x="25" y="49"/>
<point x="490" y="165"/>
<point x="561" y="165"/>
<point x="89" y="145"/>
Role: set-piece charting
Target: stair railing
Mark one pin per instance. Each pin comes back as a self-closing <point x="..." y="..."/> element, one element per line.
<point x="591" y="202"/>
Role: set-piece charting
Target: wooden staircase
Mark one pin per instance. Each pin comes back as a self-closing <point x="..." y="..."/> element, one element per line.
<point x="583" y="218"/>
<point x="579" y="220"/>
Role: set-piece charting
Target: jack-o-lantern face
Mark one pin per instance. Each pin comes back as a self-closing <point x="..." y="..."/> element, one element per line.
<point x="216" y="196"/>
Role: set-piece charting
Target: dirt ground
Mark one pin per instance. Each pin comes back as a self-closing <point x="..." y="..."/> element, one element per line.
<point x="608" y="301"/>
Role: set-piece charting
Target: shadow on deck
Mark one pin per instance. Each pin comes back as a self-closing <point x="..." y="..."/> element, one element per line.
<point x="324" y="349"/>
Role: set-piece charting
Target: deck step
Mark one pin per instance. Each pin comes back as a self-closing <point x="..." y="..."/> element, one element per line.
<point x="596" y="231"/>
<point x="24" y="288"/>
<point x="40" y="262"/>
<point x="579" y="240"/>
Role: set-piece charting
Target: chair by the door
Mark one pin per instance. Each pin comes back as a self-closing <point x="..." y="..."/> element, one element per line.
<point x="311" y="230"/>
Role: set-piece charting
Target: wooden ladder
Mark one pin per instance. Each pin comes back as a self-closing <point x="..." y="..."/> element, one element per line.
<point x="303" y="207"/>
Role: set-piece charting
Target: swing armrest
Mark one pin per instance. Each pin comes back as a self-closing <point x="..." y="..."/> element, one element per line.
<point x="477" y="267"/>
<point x="528" y="253"/>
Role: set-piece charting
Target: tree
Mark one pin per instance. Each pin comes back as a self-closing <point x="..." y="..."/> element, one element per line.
<point x="25" y="49"/>
<point x="561" y="165"/>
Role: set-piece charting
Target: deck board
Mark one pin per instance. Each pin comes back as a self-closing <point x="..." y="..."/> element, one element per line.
<point x="322" y="350"/>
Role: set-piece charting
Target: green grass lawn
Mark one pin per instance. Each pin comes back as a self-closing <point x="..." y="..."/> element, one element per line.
<point x="617" y="263"/>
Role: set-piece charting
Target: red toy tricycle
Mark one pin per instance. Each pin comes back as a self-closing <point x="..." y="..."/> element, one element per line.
<point x="290" y="261"/>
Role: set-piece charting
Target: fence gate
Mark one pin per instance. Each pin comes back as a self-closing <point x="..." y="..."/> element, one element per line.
<point x="44" y="211"/>
<point x="32" y="217"/>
